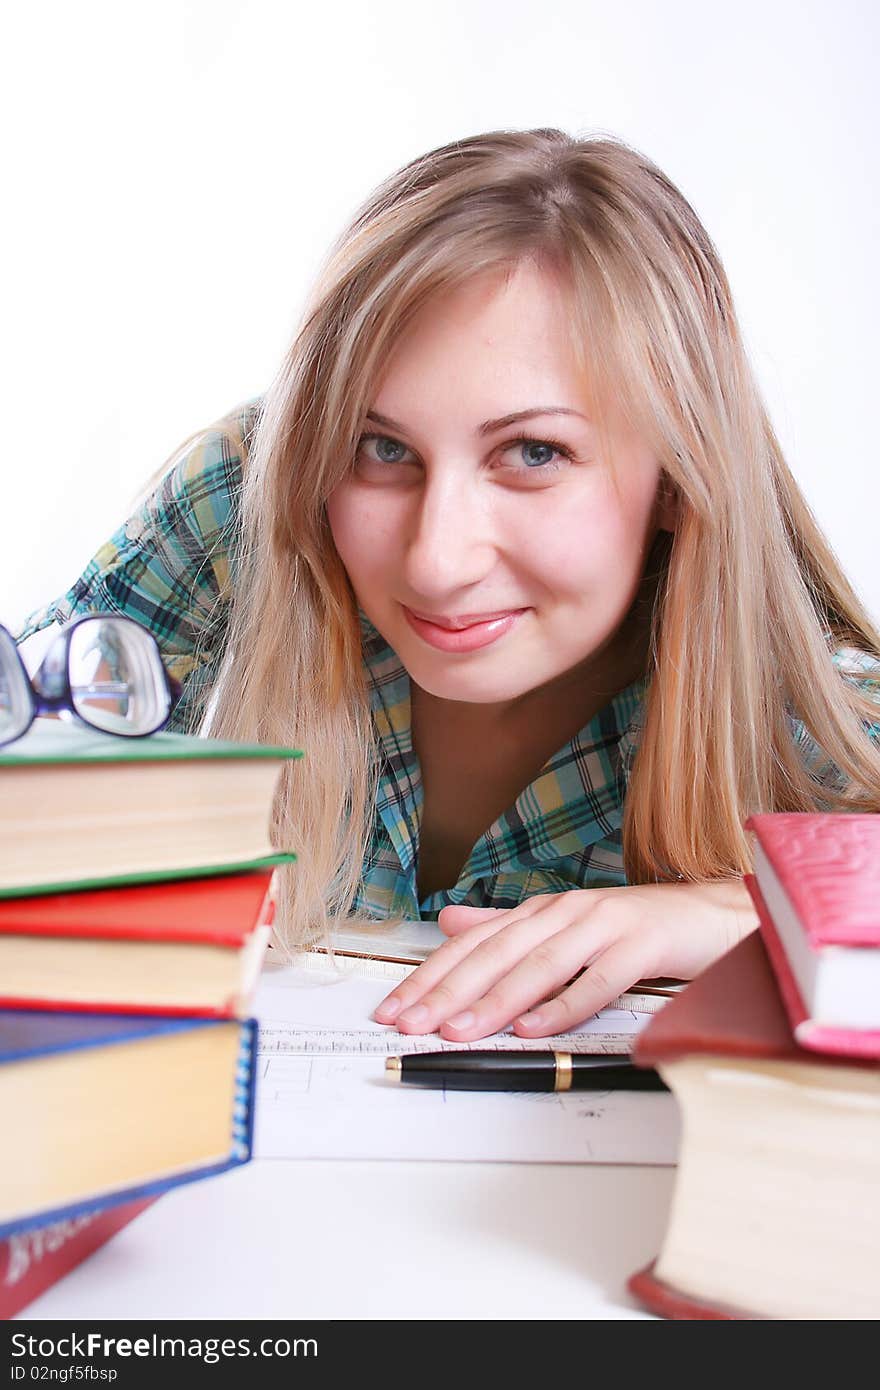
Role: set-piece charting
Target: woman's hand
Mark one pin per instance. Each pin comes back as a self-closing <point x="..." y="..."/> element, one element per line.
<point x="499" y="963"/>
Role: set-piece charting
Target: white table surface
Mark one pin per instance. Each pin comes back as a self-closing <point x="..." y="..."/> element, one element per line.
<point x="296" y="1239"/>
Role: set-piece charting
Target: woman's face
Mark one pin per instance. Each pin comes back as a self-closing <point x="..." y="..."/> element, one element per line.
<point x="494" y="554"/>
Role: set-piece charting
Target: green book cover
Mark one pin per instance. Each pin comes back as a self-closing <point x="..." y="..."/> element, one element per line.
<point x="57" y="741"/>
<point x="111" y="880"/>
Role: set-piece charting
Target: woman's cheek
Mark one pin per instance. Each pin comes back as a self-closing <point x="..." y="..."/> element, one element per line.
<point x="579" y="542"/>
<point x="367" y="532"/>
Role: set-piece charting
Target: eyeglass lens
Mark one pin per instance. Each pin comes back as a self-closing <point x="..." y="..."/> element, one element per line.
<point x="15" y="691"/>
<point x="117" y="679"/>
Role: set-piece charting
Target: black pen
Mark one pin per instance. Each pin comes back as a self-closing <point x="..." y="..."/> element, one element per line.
<point x="522" y="1071"/>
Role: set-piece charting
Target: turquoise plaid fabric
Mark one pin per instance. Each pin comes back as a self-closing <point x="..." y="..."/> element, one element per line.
<point x="171" y="567"/>
<point x="563" y="831"/>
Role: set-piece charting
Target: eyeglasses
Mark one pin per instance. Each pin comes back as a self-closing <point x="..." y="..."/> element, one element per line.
<point x="103" y="669"/>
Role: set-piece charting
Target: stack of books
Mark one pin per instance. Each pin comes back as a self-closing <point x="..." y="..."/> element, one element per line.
<point x="136" y="898"/>
<point x="773" y="1054"/>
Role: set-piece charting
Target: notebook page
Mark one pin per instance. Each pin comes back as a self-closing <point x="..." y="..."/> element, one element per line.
<point x="322" y="1091"/>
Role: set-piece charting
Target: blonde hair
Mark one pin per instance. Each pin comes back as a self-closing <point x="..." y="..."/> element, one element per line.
<point x="749" y="597"/>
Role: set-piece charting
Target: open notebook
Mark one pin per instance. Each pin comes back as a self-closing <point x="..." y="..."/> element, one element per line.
<point x="324" y="1091"/>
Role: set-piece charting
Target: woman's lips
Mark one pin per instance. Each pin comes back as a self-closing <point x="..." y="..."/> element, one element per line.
<point x="463" y="639"/>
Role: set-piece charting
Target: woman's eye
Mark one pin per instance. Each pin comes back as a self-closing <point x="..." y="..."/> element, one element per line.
<point x="538" y="454"/>
<point x="379" y="448"/>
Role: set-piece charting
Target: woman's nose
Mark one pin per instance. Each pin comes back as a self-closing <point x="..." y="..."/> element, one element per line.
<point x="451" y="542"/>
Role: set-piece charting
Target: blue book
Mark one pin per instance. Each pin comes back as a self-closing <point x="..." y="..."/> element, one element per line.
<point x="101" y="1109"/>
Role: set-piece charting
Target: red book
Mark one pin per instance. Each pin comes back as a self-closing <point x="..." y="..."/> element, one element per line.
<point x="819" y="1037"/>
<point x="829" y="868"/>
<point x="35" y="1259"/>
<point x="187" y="946"/>
<point x="816" y="886"/>
<point x="776" y="1210"/>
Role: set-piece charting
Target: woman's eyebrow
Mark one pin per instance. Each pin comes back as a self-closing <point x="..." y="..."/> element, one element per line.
<point x="488" y="426"/>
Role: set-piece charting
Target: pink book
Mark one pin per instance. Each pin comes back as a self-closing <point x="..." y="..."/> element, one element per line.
<point x="816" y="887"/>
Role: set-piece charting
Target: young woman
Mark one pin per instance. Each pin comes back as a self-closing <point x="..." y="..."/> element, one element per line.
<point x="509" y="548"/>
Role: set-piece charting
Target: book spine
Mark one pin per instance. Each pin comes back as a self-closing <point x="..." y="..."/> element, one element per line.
<point x="31" y="1261"/>
<point x="245" y="1092"/>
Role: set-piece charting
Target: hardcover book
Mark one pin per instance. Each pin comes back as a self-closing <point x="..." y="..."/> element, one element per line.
<point x="191" y="946"/>
<point x="80" y="808"/>
<point x="32" y="1261"/>
<point x="776" y="1208"/>
<point x="104" y="1109"/>
<point x="810" y="1032"/>
<point x="818" y="881"/>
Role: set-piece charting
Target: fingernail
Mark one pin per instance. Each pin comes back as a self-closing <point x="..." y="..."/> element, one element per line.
<point x="416" y="1015"/>
<point x="461" y="1020"/>
<point x="531" y="1020"/>
<point x="388" y="1009"/>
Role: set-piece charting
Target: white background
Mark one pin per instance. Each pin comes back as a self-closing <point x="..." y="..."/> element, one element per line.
<point x="174" y="173"/>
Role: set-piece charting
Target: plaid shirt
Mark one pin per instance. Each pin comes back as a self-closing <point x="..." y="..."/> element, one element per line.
<point x="563" y="831"/>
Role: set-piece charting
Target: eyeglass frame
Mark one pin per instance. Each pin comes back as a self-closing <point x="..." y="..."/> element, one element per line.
<point x="41" y="703"/>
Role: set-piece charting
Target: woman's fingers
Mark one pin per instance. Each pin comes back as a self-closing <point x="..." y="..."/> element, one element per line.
<point x="459" y="917"/>
<point x="535" y="977"/>
<point x="470" y="927"/>
<point x="612" y="971"/>
<point x="478" y="970"/>
<point x="505" y="972"/>
<point x="436" y="968"/>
